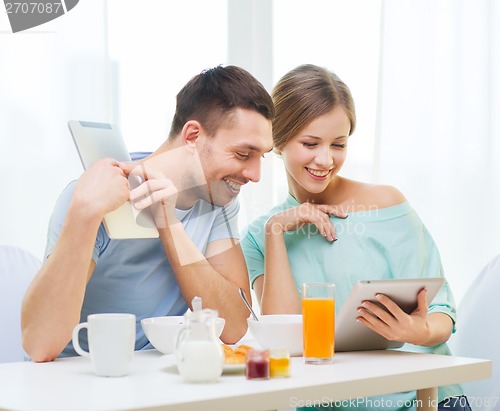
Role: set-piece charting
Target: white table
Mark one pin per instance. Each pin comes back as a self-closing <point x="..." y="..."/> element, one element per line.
<point x="154" y="383"/>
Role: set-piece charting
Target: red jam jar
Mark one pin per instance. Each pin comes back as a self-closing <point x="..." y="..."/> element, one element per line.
<point x="257" y="365"/>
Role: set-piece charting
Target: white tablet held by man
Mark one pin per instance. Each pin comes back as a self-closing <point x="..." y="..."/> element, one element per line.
<point x="351" y="335"/>
<point x="95" y="141"/>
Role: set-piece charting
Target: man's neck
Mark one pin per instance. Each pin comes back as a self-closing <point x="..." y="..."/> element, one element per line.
<point x="179" y="163"/>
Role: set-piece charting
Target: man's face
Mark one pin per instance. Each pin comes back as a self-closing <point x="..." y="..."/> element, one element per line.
<point x="231" y="157"/>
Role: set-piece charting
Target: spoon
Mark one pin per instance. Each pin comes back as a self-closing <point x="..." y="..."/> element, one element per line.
<point x="244" y="298"/>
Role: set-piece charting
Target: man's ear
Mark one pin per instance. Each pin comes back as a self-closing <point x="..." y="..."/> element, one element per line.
<point x="190" y="132"/>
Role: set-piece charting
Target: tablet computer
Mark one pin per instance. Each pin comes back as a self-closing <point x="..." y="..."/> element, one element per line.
<point x="95" y="141"/>
<point x="350" y="335"/>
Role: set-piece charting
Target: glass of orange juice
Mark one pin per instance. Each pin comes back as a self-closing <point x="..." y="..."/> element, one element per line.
<point x="318" y="312"/>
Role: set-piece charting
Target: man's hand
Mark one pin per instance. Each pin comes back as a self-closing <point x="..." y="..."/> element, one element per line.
<point x="156" y="191"/>
<point x="102" y="188"/>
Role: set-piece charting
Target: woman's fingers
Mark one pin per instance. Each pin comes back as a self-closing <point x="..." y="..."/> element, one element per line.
<point x="326" y="227"/>
<point x="333" y="210"/>
<point x="387" y="319"/>
<point x="422" y="304"/>
<point x="307" y="213"/>
<point x="321" y="219"/>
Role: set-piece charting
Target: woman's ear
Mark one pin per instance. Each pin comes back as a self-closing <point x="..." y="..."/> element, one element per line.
<point x="190" y="132"/>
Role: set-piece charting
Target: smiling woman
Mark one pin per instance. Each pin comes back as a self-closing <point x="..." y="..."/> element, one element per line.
<point x="394" y="242"/>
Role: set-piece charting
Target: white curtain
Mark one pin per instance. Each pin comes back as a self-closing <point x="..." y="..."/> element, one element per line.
<point x="438" y="135"/>
<point x="154" y="50"/>
<point x="424" y="75"/>
<point x="48" y="75"/>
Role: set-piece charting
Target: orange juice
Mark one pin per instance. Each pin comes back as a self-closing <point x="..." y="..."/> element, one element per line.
<point x="319" y="326"/>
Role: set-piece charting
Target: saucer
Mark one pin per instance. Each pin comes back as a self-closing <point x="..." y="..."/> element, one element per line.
<point x="233" y="369"/>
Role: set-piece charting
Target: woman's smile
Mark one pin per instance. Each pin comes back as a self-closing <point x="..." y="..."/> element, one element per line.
<point x="319" y="175"/>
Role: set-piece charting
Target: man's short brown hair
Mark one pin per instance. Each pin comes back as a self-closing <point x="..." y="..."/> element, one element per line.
<point x="215" y="93"/>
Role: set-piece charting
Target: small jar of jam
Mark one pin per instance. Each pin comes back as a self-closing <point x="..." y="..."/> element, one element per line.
<point x="279" y="362"/>
<point x="257" y="365"/>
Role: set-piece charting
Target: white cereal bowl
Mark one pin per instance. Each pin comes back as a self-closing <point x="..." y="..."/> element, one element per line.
<point x="278" y="331"/>
<point x="162" y="331"/>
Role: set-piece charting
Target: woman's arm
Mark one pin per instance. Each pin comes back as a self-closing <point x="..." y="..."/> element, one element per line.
<point x="278" y="293"/>
<point x="276" y="289"/>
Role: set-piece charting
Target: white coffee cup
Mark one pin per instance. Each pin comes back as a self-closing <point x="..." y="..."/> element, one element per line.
<point x="111" y="340"/>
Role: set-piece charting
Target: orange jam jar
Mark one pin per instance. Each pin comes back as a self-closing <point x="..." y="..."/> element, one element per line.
<point x="279" y="363"/>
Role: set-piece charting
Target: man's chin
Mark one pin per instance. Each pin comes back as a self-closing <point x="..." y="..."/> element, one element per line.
<point x="224" y="195"/>
<point x="223" y="201"/>
<point x="221" y="195"/>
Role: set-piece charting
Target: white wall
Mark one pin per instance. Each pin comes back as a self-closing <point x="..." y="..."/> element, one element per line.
<point x="48" y="75"/>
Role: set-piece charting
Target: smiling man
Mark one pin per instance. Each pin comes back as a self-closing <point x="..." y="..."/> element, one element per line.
<point x="220" y="131"/>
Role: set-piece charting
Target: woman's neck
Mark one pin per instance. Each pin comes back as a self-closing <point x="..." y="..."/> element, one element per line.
<point x="331" y="195"/>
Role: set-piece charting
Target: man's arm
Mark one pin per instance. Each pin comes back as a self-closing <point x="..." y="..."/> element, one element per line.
<point x="52" y="304"/>
<point x="215" y="276"/>
<point x="215" y="279"/>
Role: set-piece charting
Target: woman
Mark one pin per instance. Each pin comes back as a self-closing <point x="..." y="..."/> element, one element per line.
<point x="332" y="229"/>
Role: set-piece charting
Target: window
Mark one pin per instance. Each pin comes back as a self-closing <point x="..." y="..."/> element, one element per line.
<point x="154" y="51"/>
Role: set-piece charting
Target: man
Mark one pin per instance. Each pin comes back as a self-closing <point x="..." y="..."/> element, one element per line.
<point x="220" y="131"/>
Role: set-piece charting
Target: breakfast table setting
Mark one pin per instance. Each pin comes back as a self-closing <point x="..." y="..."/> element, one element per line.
<point x="282" y="362"/>
<point x="154" y="383"/>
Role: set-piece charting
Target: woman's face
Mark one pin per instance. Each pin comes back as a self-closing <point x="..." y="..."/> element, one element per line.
<point x="314" y="156"/>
